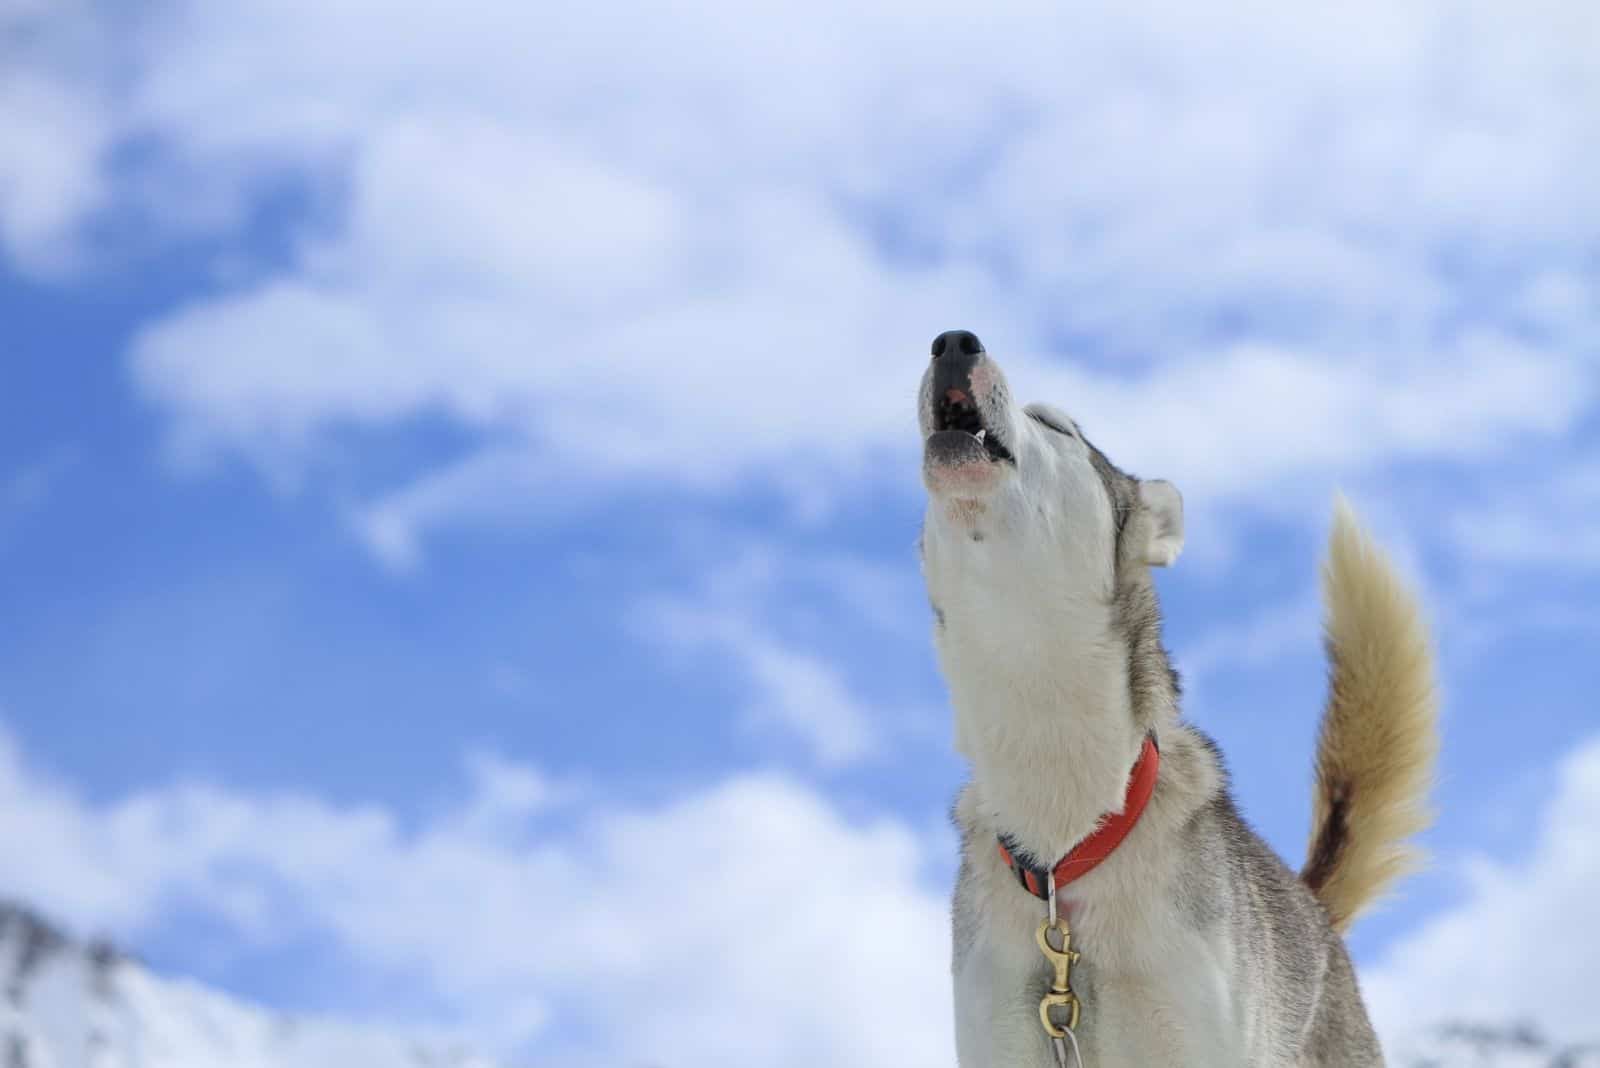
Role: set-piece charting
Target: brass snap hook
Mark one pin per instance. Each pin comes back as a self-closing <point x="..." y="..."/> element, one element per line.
<point x="1060" y="995"/>
<point x="1053" y="1000"/>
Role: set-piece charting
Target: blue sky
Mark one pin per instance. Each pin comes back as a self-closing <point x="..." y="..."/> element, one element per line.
<point x="476" y="456"/>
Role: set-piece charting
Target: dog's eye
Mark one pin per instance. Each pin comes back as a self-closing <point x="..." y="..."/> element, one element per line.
<point x="1060" y="426"/>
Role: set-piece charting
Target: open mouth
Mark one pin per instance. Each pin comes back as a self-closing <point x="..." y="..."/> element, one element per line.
<point x="955" y="413"/>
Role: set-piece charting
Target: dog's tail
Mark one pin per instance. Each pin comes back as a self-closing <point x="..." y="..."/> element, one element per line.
<point x="1379" y="732"/>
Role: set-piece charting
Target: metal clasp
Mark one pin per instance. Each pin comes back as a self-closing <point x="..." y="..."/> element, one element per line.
<point x="1060" y="995"/>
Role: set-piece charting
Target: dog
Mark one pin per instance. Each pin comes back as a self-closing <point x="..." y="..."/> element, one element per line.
<point x="1191" y="943"/>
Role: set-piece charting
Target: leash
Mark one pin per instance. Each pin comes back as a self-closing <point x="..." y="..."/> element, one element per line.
<point x="1060" y="995"/>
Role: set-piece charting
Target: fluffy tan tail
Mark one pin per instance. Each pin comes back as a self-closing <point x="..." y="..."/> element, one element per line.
<point x="1379" y="731"/>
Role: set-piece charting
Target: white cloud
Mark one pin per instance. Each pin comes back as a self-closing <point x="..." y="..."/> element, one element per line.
<point x="791" y="689"/>
<point x="702" y="247"/>
<point x="55" y="128"/>
<point x="1262" y="638"/>
<point x="497" y="484"/>
<point x="1522" y="943"/>
<point x="1547" y="518"/>
<point x="1252" y="418"/>
<point x="50" y="137"/>
<point x="745" y="923"/>
<point x="764" y="610"/>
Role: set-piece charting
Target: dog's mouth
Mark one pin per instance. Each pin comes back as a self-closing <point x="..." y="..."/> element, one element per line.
<point x="959" y="423"/>
<point x="967" y="453"/>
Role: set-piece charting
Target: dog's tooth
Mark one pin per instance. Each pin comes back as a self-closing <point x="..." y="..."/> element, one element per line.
<point x="980" y="435"/>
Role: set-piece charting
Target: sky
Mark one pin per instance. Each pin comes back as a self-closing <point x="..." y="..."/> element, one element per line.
<point x="459" y="476"/>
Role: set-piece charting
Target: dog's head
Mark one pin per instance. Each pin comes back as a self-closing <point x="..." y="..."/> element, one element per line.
<point x="1022" y="508"/>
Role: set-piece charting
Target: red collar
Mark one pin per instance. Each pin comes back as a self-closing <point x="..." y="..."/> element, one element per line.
<point x="1113" y="828"/>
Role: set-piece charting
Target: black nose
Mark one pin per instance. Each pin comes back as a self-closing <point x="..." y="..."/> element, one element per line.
<point x="962" y="341"/>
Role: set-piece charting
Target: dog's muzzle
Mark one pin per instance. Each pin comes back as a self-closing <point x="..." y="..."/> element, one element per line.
<point x="962" y="379"/>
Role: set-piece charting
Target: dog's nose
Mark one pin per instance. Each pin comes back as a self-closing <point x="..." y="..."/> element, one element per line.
<point x="964" y="342"/>
<point x="956" y="354"/>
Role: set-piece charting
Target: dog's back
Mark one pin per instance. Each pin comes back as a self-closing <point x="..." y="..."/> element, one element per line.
<point x="1309" y="1009"/>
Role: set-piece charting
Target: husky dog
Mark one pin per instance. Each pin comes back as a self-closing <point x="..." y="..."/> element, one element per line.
<point x="1198" y="946"/>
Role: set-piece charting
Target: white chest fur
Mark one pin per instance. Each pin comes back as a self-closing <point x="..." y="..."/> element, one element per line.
<point x="1160" y="988"/>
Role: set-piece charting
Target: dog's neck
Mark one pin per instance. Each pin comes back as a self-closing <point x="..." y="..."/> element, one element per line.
<point x="1051" y="726"/>
<point x="1056" y="673"/>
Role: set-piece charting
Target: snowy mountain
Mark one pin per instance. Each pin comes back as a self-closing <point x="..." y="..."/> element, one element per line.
<point x="66" y="1005"/>
<point x="1467" y="1046"/>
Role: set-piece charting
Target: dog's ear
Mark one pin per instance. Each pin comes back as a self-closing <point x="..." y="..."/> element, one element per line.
<point x="1165" y="504"/>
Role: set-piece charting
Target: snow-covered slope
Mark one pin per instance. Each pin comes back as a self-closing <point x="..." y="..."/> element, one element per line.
<point x="65" y="1005"/>
<point x="1472" y="1046"/>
